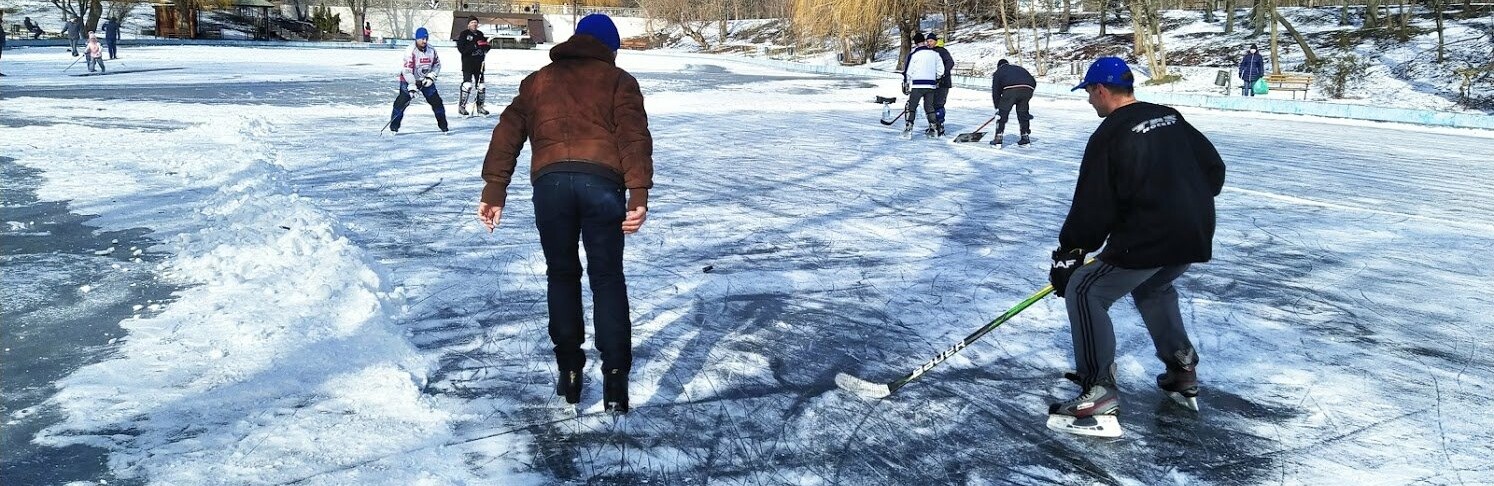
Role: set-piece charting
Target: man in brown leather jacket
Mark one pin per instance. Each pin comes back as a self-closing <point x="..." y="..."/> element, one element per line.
<point x="590" y="147"/>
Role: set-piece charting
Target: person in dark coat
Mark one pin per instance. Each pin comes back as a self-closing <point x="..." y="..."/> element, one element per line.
<point x="941" y="94"/>
<point x="1145" y="194"/>
<point x="1011" y="85"/>
<point x="74" y="32"/>
<point x="473" y="46"/>
<point x="1252" y="68"/>
<point x="591" y="163"/>
<point x="36" y="30"/>
<point x="111" y="37"/>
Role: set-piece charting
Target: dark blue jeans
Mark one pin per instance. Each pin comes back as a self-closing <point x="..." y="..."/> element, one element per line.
<point x="572" y="206"/>
<point x="403" y="100"/>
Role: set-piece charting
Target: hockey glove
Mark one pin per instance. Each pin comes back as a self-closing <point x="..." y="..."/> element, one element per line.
<point x="905" y="88"/>
<point x="1065" y="262"/>
<point x="426" y="82"/>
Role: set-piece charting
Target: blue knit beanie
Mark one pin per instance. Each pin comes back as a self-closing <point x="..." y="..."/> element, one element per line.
<point x="601" y="27"/>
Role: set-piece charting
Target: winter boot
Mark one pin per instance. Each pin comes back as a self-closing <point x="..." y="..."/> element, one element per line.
<point x="939" y="128"/>
<point x="569" y="385"/>
<point x="1024" y="140"/>
<point x="615" y="390"/>
<point x="997" y="141"/>
<point x="1180" y="382"/>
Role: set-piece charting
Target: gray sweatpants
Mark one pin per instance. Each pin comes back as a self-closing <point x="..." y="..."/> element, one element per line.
<point x="929" y="98"/>
<point x="1091" y="291"/>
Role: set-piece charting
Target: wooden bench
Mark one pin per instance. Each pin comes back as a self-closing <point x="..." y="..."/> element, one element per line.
<point x="636" y="43"/>
<point x="967" y="69"/>
<point x="852" y="60"/>
<point x="1289" y="82"/>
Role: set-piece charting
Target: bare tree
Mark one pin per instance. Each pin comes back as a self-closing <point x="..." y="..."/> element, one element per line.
<point x="1146" y="25"/>
<point x="120" y="9"/>
<point x="1229" y="16"/>
<point x="1104" y="5"/>
<point x="692" y="17"/>
<point x="1297" y="36"/>
<point x="1012" y="46"/>
<point x="856" y="23"/>
<point x="403" y="16"/>
<point x="360" y="15"/>
<point x="1068" y="17"/>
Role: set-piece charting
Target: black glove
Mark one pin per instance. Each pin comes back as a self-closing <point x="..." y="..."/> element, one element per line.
<point x="905" y="87"/>
<point x="1065" y="262"/>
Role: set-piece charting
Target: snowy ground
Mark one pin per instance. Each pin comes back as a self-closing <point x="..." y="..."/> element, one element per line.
<point x="339" y="317"/>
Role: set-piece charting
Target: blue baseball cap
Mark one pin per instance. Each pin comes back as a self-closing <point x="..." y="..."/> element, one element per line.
<point x="421" y="33"/>
<point x="1107" y="70"/>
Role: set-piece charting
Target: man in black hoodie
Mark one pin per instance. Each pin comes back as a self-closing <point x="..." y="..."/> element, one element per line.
<point x="1146" y="192"/>
<point x="1011" y="85"/>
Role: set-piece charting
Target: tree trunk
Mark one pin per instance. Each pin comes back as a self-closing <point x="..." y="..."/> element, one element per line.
<point x="1208" y="7"/>
<point x="1343" y="14"/>
<point x="1229" y="16"/>
<point x="1068" y="16"/>
<point x="1312" y="59"/>
<point x="1405" y="32"/>
<point x="95" y="10"/>
<point x="1371" y="14"/>
<point x="1441" y="45"/>
<point x="905" y="41"/>
<point x="1104" y="7"/>
<point x="1011" y="48"/>
<point x="1258" y="22"/>
<point x="721" y="30"/>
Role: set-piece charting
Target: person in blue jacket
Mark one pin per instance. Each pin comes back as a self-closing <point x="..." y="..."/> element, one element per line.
<point x="1252" y="68"/>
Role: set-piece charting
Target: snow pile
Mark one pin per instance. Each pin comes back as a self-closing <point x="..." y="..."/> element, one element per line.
<point x="280" y="360"/>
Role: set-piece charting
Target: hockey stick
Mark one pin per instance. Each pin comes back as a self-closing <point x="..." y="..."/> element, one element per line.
<point x="401" y="108"/>
<point x="882" y="390"/>
<point x="75" y="62"/>
<point x="976" y="135"/>
<point x="885" y="121"/>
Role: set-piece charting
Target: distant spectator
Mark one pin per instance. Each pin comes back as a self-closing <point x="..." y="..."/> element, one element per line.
<point x="2" y="36"/>
<point x="74" y="32"/>
<point x="35" y="30"/>
<point x="94" y="52"/>
<point x="367" y="32"/>
<point x="1252" y="68"/>
<point x="111" y="37"/>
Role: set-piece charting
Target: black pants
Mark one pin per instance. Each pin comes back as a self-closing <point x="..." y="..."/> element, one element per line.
<point x="431" y="96"/>
<point x="113" y="51"/>
<point x="929" y="96"/>
<point x="1018" y="97"/>
<point x="572" y="206"/>
<point x="472" y="70"/>
<point x="941" y="95"/>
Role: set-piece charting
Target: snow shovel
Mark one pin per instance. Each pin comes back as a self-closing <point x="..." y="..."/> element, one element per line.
<point x="976" y="135"/>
